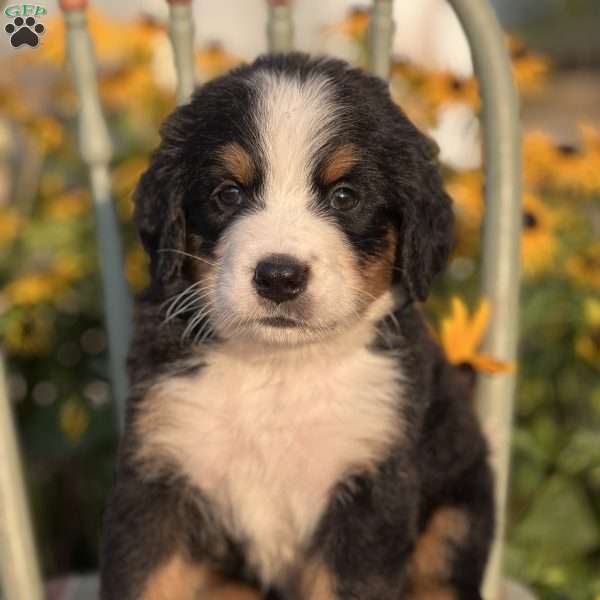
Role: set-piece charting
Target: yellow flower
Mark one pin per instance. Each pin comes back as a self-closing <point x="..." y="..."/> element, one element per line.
<point x="46" y="286"/>
<point x="69" y="267"/>
<point x="68" y="205"/>
<point x="51" y="184"/>
<point x="214" y="60"/>
<point x="539" y="244"/>
<point x="125" y="178"/>
<point x="74" y="420"/>
<point x="32" y="289"/>
<point x="539" y="155"/>
<point x="114" y="40"/>
<point x="354" y="25"/>
<point x="588" y="345"/>
<point x="585" y="268"/>
<point x="444" y="88"/>
<point x="46" y="132"/>
<point x="29" y="332"/>
<point x="127" y="86"/>
<point x="461" y="337"/>
<point x="10" y="225"/>
<point x="591" y="310"/>
<point x="466" y="190"/>
<point x="136" y="268"/>
<point x="572" y="168"/>
<point x="529" y="70"/>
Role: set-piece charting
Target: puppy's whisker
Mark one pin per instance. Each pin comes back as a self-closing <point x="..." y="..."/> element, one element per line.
<point x="204" y="332"/>
<point x="185" y="300"/>
<point x="174" y="298"/>
<point x="203" y="313"/>
<point x="188" y="254"/>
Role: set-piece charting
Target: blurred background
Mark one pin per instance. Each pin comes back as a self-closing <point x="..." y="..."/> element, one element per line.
<point x="51" y="323"/>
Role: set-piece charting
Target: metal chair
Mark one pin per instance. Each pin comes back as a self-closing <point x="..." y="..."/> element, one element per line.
<point x="501" y="235"/>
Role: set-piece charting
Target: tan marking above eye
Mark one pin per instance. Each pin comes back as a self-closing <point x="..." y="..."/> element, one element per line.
<point x="340" y="162"/>
<point x="238" y="162"/>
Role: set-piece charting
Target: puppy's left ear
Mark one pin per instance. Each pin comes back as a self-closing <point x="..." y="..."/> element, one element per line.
<point x="426" y="219"/>
<point x="159" y="219"/>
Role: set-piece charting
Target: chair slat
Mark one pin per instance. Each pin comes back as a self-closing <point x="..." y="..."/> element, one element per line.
<point x="96" y="150"/>
<point x="500" y="246"/>
<point x="181" y="30"/>
<point x="280" y="27"/>
<point x="380" y="37"/>
<point x="19" y="569"/>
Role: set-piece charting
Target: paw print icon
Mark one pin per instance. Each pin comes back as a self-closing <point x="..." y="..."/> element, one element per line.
<point x="24" y="32"/>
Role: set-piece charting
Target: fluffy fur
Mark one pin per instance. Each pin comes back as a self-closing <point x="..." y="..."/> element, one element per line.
<point x="295" y="435"/>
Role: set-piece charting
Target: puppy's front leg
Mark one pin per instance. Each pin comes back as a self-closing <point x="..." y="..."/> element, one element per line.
<point x="365" y="540"/>
<point x="153" y="547"/>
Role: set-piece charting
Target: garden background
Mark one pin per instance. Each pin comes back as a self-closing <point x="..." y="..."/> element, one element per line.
<point x="51" y="313"/>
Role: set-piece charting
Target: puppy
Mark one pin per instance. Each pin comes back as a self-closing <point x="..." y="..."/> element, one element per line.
<point x="293" y="431"/>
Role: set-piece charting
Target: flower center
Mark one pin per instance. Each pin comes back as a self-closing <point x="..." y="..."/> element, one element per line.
<point x="530" y="221"/>
<point x="568" y="149"/>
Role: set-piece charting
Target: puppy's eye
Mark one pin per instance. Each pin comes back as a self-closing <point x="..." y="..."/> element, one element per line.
<point x="343" y="199"/>
<point x="229" y="197"/>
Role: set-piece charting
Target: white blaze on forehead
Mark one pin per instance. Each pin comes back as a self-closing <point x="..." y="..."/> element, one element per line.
<point x="295" y="120"/>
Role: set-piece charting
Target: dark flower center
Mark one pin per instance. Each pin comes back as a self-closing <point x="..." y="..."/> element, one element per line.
<point x="568" y="149"/>
<point x="530" y="221"/>
<point x="519" y="51"/>
<point x="457" y="84"/>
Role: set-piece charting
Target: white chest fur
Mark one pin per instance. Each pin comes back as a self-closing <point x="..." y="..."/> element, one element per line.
<point x="266" y="438"/>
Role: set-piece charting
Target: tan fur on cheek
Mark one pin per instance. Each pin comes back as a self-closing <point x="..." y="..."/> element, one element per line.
<point x="340" y="163"/>
<point x="237" y="162"/>
<point x="377" y="272"/>
<point x="432" y="558"/>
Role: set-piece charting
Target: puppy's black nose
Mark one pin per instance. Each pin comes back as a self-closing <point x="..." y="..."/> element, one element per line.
<point x="280" y="278"/>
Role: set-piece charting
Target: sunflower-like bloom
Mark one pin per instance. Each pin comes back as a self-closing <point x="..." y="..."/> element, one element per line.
<point x="48" y="285"/>
<point x="68" y="205"/>
<point x="125" y="178"/>
<point x="466" y="190"/>
<point x="136" y="268"/>
<point x="214" y="60"/>
<point x="573" y="168"/>
<point x="539" y="243"/>
<point x="461" y="336"/>
<point x="29" y="332"/>
<point x="588" y="345"/>
<point x="11" y="224"/>
<point x="584" y="268"/>
<point x="354" y="25"/>
<point x="125" y="86"/>
<point x="539" y="156"/>
<point x="441" y="88"/>
<point x="529" y="70"/>
<point x="32" y="289"/>
<point x="74" y="420"/>
<point x="115" y="41"/>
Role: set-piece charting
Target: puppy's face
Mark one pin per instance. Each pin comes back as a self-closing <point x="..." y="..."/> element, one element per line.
<point x="287" y="198"/>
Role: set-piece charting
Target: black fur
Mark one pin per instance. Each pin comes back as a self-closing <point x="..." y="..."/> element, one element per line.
<point x="368" y="533"/>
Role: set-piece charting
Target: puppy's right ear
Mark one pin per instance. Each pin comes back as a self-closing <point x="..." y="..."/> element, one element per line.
<point x="160" y="223"/>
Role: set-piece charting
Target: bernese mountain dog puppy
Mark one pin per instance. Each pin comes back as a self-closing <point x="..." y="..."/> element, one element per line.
<point x="293" y="430"/>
